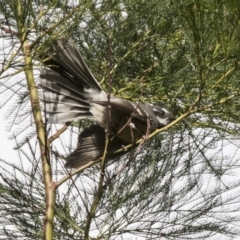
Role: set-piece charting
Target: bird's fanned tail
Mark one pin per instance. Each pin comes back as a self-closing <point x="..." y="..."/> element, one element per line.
<point x="64" y="84"/>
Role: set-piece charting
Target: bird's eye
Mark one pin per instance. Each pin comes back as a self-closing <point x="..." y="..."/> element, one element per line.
<point x="159" y="112"/>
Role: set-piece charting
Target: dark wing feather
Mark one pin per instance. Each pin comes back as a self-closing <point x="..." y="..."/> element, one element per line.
<point x="91" y="145"/>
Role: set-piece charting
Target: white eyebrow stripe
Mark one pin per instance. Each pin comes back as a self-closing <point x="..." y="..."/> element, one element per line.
<point x="163" y="109"/>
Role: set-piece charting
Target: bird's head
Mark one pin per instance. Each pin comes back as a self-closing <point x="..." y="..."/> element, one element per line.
<point x="163" y="115"/>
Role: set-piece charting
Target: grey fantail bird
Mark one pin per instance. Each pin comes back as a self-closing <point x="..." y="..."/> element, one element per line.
<point x="70" y="92"/>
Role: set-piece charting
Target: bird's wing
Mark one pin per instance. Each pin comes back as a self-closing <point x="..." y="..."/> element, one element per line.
<point x="91" y="146"/>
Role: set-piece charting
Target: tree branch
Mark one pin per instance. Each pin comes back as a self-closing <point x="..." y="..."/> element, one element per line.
<point x="41" y="133"/>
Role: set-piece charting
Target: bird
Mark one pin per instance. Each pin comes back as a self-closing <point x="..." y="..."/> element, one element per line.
<point x="69" y="92"/>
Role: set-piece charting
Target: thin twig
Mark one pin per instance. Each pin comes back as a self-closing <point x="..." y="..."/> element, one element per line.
<point x="100" y="191"/>
<point x="59" y="132"/>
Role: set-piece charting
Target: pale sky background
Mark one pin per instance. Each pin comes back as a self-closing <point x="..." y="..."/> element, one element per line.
<point x="6" y="144"/>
